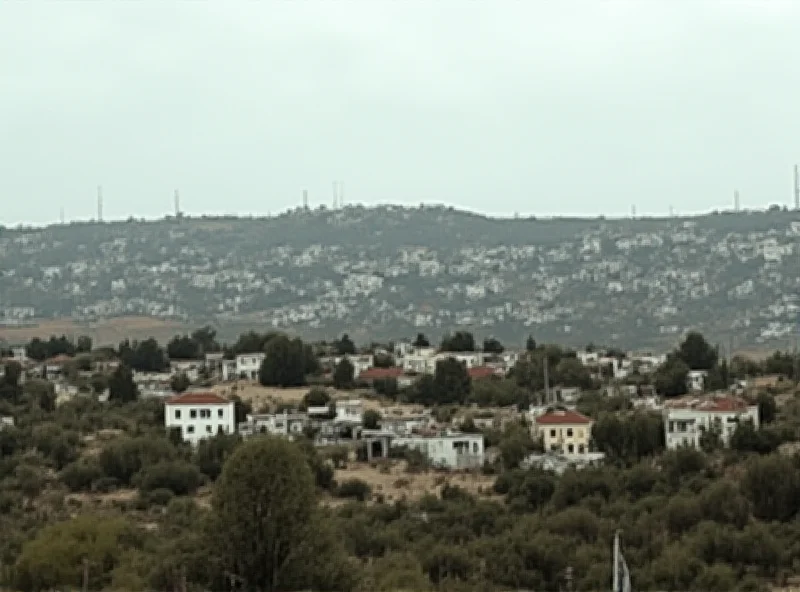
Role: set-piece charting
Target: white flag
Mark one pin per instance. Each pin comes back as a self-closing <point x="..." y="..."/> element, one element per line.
<point x="622" y="577"/>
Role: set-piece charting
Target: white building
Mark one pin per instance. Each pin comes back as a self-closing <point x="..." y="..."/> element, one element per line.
<point x="361" y="363"/>
<point x="200" y="415"/>
<point x="248" y="365"/>
<point x="278" y="424"/>
<point x="696" y="381"/>
<point x="686" y="420"/>
<point x="451" y="451"/>
<point x="350" y="410"/>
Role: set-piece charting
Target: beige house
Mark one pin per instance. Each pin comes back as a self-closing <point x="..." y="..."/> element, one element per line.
<point x="564" y="431"/>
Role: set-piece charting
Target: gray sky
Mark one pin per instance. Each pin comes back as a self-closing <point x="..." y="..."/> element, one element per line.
<point x="497" y="106"/>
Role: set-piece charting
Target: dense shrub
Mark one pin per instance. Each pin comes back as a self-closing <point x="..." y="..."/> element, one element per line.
<point x="80" y="475"/>
<point x="354" y="488"/>
<point x="179" y="477"/>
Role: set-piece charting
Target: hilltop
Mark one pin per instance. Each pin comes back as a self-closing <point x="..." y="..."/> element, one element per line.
<point x="387" y="271"/>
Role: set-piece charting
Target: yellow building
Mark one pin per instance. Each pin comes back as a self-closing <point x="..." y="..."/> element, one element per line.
<point x="564" y="431"/>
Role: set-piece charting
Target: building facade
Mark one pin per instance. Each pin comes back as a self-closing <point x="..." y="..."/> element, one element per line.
<point x="200" y="415"/>
<point x="686" y="420"/>
<point x="248" y="365"/>
<point x="564" y="431"/>
<point x="449" y="451"/>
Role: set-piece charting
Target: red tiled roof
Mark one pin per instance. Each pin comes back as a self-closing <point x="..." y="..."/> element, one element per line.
<point x="197" y="399"/>
<point x="59" y="359"/>
<point x="378" y="373"/>
<point x="478" y="372"/>
<point x="562" y="417"/>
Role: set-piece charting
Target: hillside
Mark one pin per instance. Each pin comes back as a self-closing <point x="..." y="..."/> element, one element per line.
<point x="383" y="272"/>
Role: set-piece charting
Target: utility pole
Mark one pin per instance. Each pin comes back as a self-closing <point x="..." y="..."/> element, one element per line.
<point x="99" y="203"/>
<point x="305" y="199"/>
<point x="546" y="381"/>
<point x="736" y="201"/>
<point x="796" y="188"/>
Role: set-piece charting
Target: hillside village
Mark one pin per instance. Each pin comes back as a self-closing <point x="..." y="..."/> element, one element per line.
<point x="128" y="446"/>
<point x="384" y="384"/>
<point x="385" y="271"/>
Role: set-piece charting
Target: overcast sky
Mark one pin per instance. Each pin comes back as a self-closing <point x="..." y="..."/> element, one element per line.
<point x="536" y="107"/>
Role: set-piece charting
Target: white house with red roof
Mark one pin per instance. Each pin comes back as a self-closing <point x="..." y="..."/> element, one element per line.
<point x="686" y="419"/>
<point x="200" y="415"/>
<point x="564" y="431"/>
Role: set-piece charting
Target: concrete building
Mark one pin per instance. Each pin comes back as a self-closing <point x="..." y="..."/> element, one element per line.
<point x="278" y="424"/>
<point x="686" y="420"/>
<point x="200" y="415"/>
<point x="248" y="365"/>
<point x="564" y="431"/>
<point x="451" y="450"/>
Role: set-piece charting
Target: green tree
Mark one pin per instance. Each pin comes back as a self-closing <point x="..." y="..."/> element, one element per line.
<point x="286" y="363"/>
<point x="451" y="382"/>
<point x="371" y="419"/>
<point x="180" y="382"/>
<point x="263" y="509"/>
<point x="316" y="397"/>
<point x="697" y="353"/>
<point x="772" y="485"/>
<point x="344" y="346"/>
<point x="767" y="408"/>
<point x="530" y="344"/>
<point x="421" y="341"/>
<point x="670" y="377"/>
<point x="492" y="346"/>
<point x="460" y="341"/>
<point x="55" y="557"/>
<point x="343" y="374"/>
<point x="121" y="387"/>
<point x="84" y="344"/>
<point x="571" y="372"/>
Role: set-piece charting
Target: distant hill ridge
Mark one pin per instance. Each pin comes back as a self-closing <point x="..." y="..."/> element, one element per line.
<point x="389" y="271"/>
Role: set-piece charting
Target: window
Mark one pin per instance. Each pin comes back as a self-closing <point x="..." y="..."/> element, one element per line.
<point x="475" y="448"/>
<point x="552" y="433"/>
<point x="220" y="413"/>
<point x="581" y="449"/>
<point x="208" y="429"/>
<point x="569" y="432"/>
<point x="220" y="429"/>
<point x="190" y="430"/>
<point x="571" y="449"/>
<point x="177" y="414"/>
<point x="193" y="413"/>
<point x="580" y="433"/>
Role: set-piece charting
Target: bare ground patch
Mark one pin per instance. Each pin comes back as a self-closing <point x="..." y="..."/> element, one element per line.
<point x="393" y="482"/>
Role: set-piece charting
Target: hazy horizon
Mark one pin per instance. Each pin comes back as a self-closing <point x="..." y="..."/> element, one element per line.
<point x="577" y="108"/>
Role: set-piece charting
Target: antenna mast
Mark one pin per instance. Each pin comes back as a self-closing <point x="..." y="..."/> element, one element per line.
<point x="736" y="197"/>
<point x="99" y="203"/>
<point x="177" y="204"/>
<point x="796" y="188"/>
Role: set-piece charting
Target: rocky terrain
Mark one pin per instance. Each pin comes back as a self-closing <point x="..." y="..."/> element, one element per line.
<point x="385" y="272"/>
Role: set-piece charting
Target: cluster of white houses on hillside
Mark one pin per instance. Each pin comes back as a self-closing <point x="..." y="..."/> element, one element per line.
<point x="565" y="434"/>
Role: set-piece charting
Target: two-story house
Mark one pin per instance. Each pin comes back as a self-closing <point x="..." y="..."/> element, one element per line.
<point x="685" y="420"/>
<point x="248" y="365"/>
<point x="564" y="431"/>
<point x="200" y="415"/>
